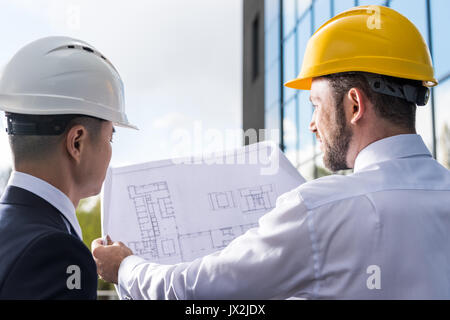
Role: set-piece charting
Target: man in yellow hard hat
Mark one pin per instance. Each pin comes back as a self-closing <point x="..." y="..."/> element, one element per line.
<point x="379" y="233"/>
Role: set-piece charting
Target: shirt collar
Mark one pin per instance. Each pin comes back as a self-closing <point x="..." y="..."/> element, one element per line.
<point x="50" y="194"/>
<point x="395" y="147"/>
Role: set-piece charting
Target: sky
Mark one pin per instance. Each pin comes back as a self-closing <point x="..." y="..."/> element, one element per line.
<point x="180" y="61"/>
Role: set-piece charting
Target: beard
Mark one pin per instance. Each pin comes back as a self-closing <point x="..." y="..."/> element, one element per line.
<point x="335" y="151"/>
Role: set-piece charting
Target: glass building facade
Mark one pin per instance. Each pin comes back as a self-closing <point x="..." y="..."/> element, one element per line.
<point x="288" y="25"/>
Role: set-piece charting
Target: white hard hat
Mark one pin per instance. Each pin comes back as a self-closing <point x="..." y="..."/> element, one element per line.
<point x="61" y="75"/>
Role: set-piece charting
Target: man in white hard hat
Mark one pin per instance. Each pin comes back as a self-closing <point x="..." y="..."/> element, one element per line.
<point x="379" y="233"/>
<point x="61" y="98"/>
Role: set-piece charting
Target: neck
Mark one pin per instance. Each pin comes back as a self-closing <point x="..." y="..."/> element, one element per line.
<point x="363" y="140"/>
<point x="55" y="174"/>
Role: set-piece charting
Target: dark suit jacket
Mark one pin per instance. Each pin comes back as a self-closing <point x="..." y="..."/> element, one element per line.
<point x="37" y="250"/>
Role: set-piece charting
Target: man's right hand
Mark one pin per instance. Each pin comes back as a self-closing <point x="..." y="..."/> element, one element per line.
<point x="109" y="257"/>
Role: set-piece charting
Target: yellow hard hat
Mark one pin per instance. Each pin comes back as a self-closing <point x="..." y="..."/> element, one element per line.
<point x="373" y="39"/>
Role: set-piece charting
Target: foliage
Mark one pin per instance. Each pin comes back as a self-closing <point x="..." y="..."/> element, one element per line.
<point x="89" y="219"/>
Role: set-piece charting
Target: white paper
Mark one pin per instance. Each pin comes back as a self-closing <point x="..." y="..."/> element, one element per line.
<point x="169" y="212"/>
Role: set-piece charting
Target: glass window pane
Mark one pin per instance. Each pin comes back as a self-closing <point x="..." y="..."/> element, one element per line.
<point x="271" y="12"/>
<point x="322" y="12"/>
<point x="272" y="45"/>
<point x="290" y="131"/>
<point x="289" y="65"/>
<point x="289" y="16"/>
<point x="442" y="109"/>
<point x="272" y="123"/>
<point x="272" y="84"/>
<point x="303" y="35"/>
<point x="371" y="2"/>
<point x="302" y="6"/>
<point x="441" y="46"/>
<point x="342" y="5"/>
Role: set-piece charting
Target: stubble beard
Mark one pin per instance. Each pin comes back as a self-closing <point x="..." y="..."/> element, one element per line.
<point x="335" y="153"/>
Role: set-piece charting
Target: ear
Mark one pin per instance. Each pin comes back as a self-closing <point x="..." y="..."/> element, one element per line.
<point x="357" y="104"/>
<point x="75" y="142"/>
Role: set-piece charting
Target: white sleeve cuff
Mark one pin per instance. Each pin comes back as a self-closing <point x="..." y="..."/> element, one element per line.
<point x="125" y="275"/>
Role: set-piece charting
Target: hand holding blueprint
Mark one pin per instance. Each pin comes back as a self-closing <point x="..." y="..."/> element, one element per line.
<point x="177" y="210"/>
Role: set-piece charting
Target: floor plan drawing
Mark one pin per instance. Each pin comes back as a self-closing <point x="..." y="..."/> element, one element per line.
<point x="195" y="245"/>
<point x="256" y="199"/>
<point x="170" y="211"/>
<point x="221" y="200"/>
<point x="154" y="211"/>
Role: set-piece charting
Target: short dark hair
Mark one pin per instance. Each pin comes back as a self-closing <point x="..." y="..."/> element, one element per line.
<point x="38" y="147"/>
<point x="396" y="110"/>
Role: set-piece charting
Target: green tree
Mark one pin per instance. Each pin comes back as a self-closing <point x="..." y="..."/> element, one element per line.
<point x="91" y="225"/>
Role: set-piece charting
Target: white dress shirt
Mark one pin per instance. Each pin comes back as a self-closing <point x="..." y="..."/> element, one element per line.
<point x="50" y="194"/>
<point x="380" y="233"/>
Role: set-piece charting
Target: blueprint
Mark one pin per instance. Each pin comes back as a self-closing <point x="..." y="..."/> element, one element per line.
<point x="177" y="210"/>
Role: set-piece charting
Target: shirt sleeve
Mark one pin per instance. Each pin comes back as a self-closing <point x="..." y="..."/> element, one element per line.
<point x="272" y="261"/>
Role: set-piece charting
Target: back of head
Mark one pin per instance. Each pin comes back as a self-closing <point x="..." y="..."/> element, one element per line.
<point x="388" y="106"/>
<point x="52" y="84"/>
<point x="47" y="142"/>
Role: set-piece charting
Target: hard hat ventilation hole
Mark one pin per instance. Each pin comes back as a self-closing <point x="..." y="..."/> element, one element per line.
<point x="88" y="49"/>
<point x="85" y="48"/>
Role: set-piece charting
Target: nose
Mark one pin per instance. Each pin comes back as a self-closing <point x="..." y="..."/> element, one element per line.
<point x="312" y="124"/>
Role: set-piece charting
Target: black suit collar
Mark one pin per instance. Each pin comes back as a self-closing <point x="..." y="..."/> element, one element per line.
<point x="18" y="196"/>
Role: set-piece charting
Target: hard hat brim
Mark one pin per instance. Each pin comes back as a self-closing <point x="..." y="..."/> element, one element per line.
<point x="300" y="84"/>
<point x="125" y="125"/>
<point x="54" y="105"/>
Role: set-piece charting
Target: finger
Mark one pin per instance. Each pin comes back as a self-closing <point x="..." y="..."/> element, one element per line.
<point x="97" y="250"/>
<point x="96" y="243"/>
<point x="108" y="240"/>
